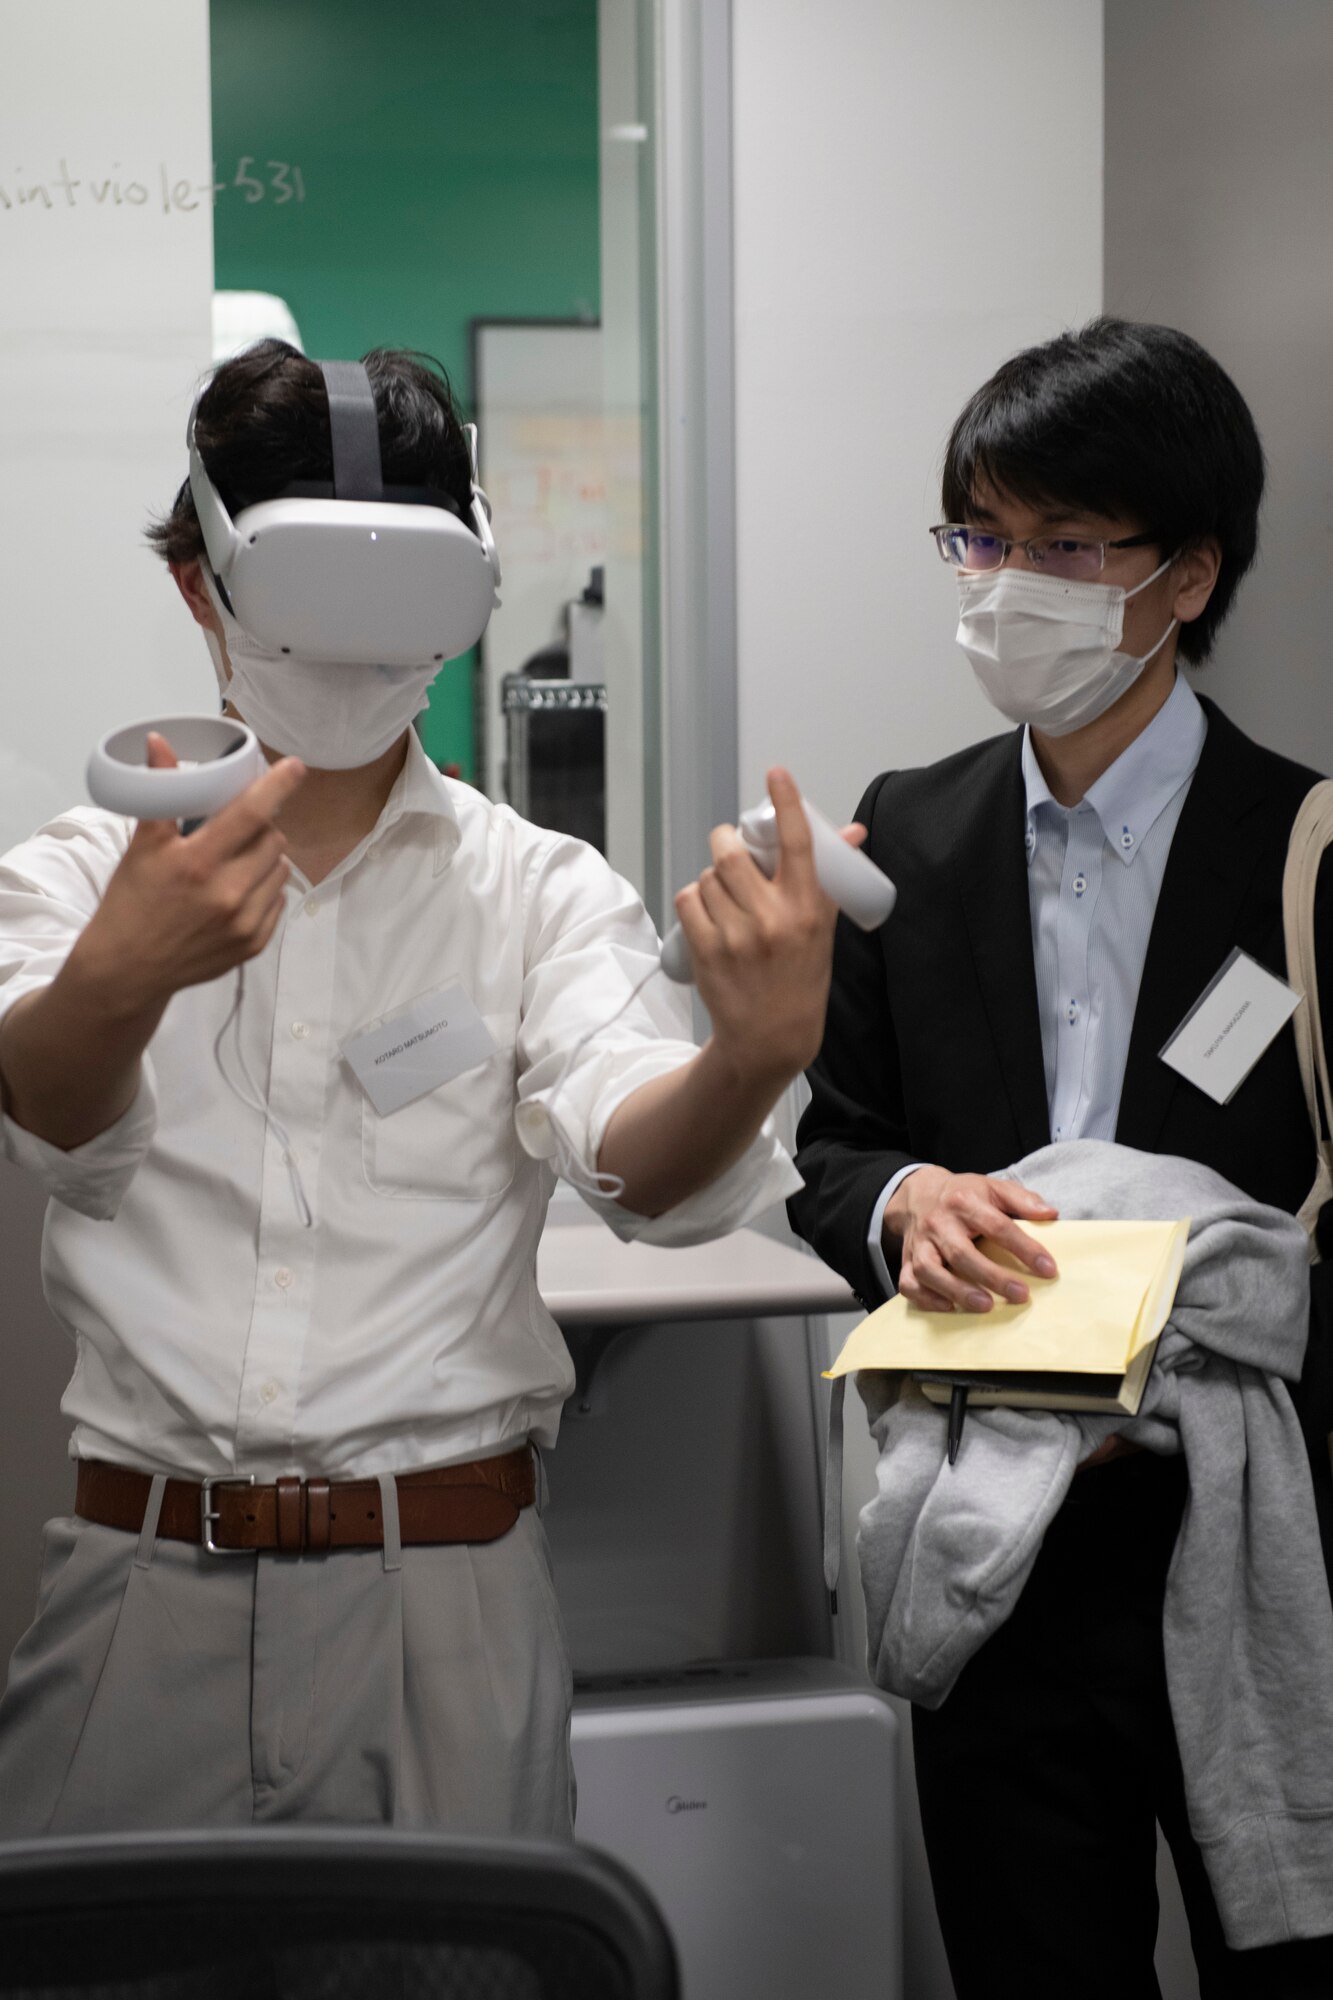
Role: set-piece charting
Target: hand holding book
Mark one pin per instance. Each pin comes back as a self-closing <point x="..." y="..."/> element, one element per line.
<point x="944" y="1227"/>
<point x="1084" y="1340"/>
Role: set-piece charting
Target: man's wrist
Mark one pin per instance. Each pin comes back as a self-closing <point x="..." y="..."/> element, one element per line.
<point x="743" y="1071"/>
<point x="898" y="1205"/>
<point x="106" y="987"/>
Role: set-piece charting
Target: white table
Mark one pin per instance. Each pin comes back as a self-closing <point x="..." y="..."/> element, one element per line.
<point x="588" y="1277"/>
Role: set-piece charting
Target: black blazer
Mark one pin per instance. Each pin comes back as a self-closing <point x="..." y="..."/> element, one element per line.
<point x="932" y="1045"/>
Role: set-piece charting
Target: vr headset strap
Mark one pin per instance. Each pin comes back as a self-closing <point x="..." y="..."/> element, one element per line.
<point x="355" y="432"/>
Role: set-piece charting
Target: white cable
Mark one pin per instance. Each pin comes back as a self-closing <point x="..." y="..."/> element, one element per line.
<point x="601" y="1187"/>
<point x="255" y="1101"/>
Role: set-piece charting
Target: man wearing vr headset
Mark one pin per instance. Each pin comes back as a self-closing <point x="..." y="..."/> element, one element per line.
<point x="1066" y="893"/>
<point x="305" y="1311"/>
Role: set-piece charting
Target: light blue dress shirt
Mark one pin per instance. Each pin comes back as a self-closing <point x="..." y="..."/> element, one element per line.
<point x="1094" y="874"/>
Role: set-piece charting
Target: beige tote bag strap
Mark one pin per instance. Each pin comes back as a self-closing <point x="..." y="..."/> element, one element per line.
<point x="1311" y="834"/>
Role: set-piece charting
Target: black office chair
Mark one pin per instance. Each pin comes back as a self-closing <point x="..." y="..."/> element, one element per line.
<point x="324" y="1914"/>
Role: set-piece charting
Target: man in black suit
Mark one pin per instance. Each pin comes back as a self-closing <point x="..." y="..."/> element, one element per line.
<point x="1065" y="893"/>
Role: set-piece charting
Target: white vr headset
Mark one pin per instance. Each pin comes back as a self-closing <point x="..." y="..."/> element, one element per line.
<point x="353" y="571"/>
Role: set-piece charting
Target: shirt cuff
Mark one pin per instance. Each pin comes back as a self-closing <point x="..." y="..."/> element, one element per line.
<point x="875" y="1234"/>
<point x="761" y="1178"/>
<point x="94" y="1178"/>
<point x="567" y="1126"/>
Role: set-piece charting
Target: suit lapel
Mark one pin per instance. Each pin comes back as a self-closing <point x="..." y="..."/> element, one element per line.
<point x="1204" y="886"/>
<point x="992" y="877"/>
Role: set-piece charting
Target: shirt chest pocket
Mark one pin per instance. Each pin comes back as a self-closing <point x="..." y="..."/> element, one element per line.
<point x="455" y="1143"/>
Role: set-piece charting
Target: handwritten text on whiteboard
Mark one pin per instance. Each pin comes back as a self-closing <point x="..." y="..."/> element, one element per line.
<point x="275" y="181"/>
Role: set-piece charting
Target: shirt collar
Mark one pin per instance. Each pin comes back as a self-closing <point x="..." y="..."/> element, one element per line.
<point x="420" y="788"/>
<point x="420" y="791"/>
<point x="1131" y="795"/>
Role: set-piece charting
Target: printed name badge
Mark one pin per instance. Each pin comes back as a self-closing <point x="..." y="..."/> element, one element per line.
<point x="429" y="1042"/>
<point x="1229" y="1026"/>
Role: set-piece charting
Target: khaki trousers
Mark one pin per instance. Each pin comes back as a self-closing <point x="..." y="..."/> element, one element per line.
<point x="160" y="1686"/>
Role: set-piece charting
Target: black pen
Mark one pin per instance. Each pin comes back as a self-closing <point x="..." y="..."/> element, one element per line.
<point x="957" y="1411"/>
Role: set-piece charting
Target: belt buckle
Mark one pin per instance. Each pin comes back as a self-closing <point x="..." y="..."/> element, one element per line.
<point x="207" y="1514"/>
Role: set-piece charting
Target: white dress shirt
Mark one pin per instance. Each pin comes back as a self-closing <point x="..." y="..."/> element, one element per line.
<point x="214" y="1333"/>
<point x="1094" y="875"/>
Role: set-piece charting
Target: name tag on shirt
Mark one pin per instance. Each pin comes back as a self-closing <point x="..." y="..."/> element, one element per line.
<point x="1233" y="1021"/>
<point x="416" y="1049"/>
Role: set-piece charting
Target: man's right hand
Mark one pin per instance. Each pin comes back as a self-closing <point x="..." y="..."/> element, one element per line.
<point x="178" y="911"/>
<point x="181" y="910"/>
<point x="937" y="1217"/>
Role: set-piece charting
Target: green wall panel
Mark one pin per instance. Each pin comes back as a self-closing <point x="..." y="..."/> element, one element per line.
<point x="445" y="153"/>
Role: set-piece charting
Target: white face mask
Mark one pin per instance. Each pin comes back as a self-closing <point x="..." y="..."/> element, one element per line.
<point x="1044" y="649"/>
<point x="333" y="716"/>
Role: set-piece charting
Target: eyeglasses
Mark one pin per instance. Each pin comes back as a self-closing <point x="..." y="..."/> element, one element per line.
<point x="1055" y="555"/>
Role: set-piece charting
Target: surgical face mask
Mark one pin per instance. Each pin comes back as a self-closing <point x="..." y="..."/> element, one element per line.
<point x="1045" y="649"/>
<point x="331" y="715"/>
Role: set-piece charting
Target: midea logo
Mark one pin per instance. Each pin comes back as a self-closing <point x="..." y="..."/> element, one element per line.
<point x="675" y="1804"/>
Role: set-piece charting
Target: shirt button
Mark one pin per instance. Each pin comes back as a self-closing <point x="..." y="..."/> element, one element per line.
<point x="1126" y="838"/>
<point x="1080" y="884"/>
<point x="300" y="1030"/>
<point x="312" y="906"/>
<point x="1073" y="1012"/>
<point x="269" y="1393"/>
<point x="282" y="1277"/>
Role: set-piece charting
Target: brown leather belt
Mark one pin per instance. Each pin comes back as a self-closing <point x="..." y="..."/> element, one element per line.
<point x="453" y="1503"/>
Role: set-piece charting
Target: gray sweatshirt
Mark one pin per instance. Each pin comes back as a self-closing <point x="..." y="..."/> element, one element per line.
<point x="1248" y="1628"/>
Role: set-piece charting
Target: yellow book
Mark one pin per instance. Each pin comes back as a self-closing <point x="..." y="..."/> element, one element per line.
<point x="1084" y="1341"/>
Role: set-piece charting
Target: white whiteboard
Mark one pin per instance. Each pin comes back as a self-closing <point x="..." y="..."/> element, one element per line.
<point x="105" y="289"/>
<point x="106" y="278"/>
<point x="541" y="439"/>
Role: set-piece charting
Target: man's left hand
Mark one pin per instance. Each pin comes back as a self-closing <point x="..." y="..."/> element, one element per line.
<point x="762" y="950"/>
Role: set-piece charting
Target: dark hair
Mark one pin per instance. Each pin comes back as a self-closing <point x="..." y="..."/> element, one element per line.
<point x="1121" y="419"/>
<point x="263" y="421"/>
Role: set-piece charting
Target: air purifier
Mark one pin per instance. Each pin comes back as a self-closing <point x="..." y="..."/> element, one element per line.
<point x="759" y="1803"/>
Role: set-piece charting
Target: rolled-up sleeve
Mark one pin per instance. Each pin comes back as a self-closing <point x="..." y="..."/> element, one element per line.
<point x="91" y="1178"/>
<point x="49" y="888"/>
<point x="588" y="944"/>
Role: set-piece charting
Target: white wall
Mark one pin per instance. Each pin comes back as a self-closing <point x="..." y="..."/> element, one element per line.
<point x="1219" y="163"/>
<point x="918" y="192"/>
<point x="1219" y="159"/>
<point x="104" y="326"/>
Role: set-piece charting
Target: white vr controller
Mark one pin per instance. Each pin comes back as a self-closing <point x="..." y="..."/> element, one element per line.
<point x="861" y="891"/>
<point x="219" y="758"/>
